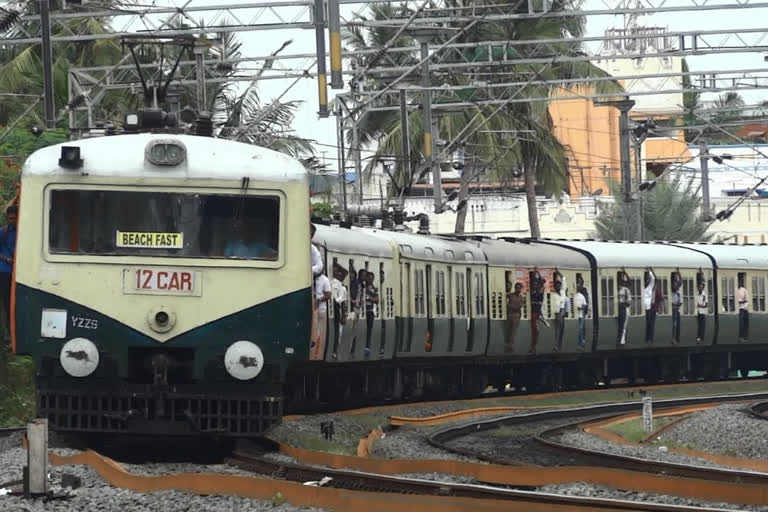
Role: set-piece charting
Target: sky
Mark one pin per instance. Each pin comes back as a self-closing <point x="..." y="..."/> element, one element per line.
<point x="309" y="125"/>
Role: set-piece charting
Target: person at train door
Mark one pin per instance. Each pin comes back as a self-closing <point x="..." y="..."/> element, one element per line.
<point x="514" y="313"/>
<point x="581" y="307"/>
<point x="624" y="303"/>
<point x="316" y="257"/>
<point x="322" y="293"/>
<point x="742" y="297"/>
<point x="537" y="301"/>
<point x="676" y="300"/>
<point x="702" y="309"/>
<point x="371" y="304"/>
<point x="562" y="306"/>
<point x="339" y="301"/>
<point x="7" y="251"/>
<point x="648" y="304"/>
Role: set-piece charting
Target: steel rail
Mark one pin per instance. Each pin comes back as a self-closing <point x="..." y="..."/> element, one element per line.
<point x="374" y="482"/>
<point x="597" y="412"/>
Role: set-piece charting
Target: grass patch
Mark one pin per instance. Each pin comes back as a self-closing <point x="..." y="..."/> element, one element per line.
<point x="313" y="442"/>
<point x="632" y="430"/>
<point x="17" y="390"/>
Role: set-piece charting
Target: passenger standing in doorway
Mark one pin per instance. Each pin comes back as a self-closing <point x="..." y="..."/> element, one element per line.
<point x="562" y="307"/>
<point x="339" y="295"/>
<point x="514" y="313"/>
<point x="322" y="296"/>
<point x="742" y="297"/>
<point x="648" y="304"/>
<point x="316" y="257"/>
<point x="537" y="301"/>
<point x="624" y="303"/>
<point x="371" y="303"/>
<point x="702" y="310"/>
<point x="677" y="300"/>
<point x="7" y="251"/>
<point x="580" y="308"/>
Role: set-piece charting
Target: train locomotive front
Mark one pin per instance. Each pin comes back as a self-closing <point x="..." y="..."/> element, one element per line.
<point x="162" y="283"/>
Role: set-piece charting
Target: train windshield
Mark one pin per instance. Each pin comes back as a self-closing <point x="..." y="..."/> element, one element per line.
<point x="186" y="225"/>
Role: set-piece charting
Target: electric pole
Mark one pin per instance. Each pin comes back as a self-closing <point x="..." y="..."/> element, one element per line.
<point x="405" y="164"/>
<point x="704" y="159"/>
<point x="45" y="29"/>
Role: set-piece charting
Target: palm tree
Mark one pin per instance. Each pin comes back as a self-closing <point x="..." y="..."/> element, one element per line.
<point x="540" y="155"/>
<point x="670" y="211"/>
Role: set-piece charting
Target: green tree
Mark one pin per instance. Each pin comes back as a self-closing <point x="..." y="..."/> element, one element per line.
<point x="670" y="211"/>
<point x="490" y="150"/>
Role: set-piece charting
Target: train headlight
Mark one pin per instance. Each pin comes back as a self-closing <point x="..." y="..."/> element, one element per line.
<point x="79" y="357"/>
<point x="165" y="152"/>
<point x="244" y="360"/>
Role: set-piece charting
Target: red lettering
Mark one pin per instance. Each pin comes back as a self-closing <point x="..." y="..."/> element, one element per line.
<point x="186" y="281"/>
<point x="161" y="280"/>
<point x="147" y="279"/>
<point x="174" y="281"/>
<point x="138" y="279"/>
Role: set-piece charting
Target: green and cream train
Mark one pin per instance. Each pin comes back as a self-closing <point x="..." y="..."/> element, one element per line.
<point x="163" y="286"/>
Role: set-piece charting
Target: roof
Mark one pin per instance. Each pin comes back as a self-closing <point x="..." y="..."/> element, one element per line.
<point x="735" y="256"/>
<point x="431" y="248"/>
<point x="522" y="254"/>
<point x="353" y="242"/>
<point x="207" y="158"/>
<point x="639" y="254"/>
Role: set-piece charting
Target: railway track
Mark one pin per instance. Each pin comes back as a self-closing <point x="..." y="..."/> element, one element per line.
<point x="759" y="410"/>
<point x="546" y="439"/>
<point x="377" y="483"/>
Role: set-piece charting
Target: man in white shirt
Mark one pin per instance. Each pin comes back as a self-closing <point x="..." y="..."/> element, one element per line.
<point x="702" y="309"/>
<point x="562" y="306"/>
<point x="580" y="308"/>
<point x="650" y="311"/>
<point x="742" y="299"/>
<point x="316" y="257"/>
<point x="624" y="301"/>
<point x="339" y="295"/>
<point x="677" y="301"/>
<point x="322" y="293"/>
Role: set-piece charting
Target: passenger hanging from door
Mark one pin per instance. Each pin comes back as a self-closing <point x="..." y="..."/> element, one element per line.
<point x="648" y="304"/>
<point x="743" y="299"/>
<point x="622" y="280"/>
<point x="561" y="304"/>
<point x="339" y="295"/>
<point x="514" y="313"/>
<point x="371" y="304"/>
<point x="537" y="301"/>
<point x="677" y="300"/>
<point x="702" y="309"/>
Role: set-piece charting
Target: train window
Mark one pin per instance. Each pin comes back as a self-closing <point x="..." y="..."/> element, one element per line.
<point x="607" y="296"/>
<point x="390" y="304"/>
<point x="688" y="297"/>
<point x="421" y="305"/>
<point x="187" y="225"/>
<point x="665" y="296"/>
<point x="711" y="296"/>
<point x="479" y="295"/>
<point x="636" y="297"/>
<point x="460" y="295"/>
<point x="758" y="293"/>
<point x="440" y="292"/>
<point x="728" y="293"/>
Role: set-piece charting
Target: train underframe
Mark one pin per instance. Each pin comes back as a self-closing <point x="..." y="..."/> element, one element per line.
<point x="339" y="386"/>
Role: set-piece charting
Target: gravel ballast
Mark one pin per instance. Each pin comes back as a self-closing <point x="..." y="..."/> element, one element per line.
<point x="722" y="430"/>
<point x="95" y="495"/>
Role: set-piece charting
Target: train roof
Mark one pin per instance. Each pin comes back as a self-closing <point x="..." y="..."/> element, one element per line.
<point x="207" y="158"/>
<point x="733" y="256"/>
<point x="531" y="254"/>
<point x="431" y="248"/>
<point x="638" y="254"/>
<point x="353" y="241"/>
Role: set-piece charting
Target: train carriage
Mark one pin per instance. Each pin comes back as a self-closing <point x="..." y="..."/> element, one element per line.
<point x="617" y="260"/>
<point x="514" y="262"/>
<point x="166" y="286"/>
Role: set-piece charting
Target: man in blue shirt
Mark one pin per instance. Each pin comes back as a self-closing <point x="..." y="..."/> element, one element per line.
<point x="7" y="250"/>
<point x="248" y="244"/>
